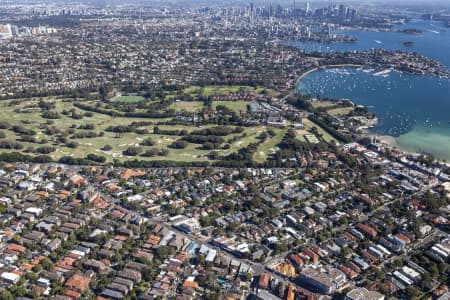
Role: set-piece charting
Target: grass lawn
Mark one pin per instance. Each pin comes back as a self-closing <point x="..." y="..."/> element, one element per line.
<point x="249" y="135"/>
<point x="33" y="119"/>
<point x="189" y="106"/>
<point x="340" y="111"/>
<point x="128" y="99"/>
<point x="326" y="136"/>
<point x="301" y="134"/>
<point x="331" y="107"/>
<point x="225" y="89"/>
<point x="213" y="90"/>
<point x="236" y="106"/>
<point x="269" y="146"/>
<point x="321" y="104"/>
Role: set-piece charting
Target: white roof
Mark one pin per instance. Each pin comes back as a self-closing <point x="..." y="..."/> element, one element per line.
<point x="44" y="281"/>
<point x="34" y="210"/>
<point x="10" y="276"/>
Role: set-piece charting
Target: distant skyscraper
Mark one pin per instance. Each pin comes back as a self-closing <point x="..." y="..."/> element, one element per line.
<point x="342" y="11"/>
<point x="5" y="31"/>
<point x="308" y="8"/>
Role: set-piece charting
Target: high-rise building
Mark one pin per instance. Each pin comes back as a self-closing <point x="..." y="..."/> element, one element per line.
<point x="308" y="8"/>
<point x="343" y="11"/>
<point x="5" y="31"/>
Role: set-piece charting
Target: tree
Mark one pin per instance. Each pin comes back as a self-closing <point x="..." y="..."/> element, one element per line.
<point x="133" y="151"/>
<point x="6" y="295"/>
<point x="103" y="92"/>
<point x="180" y="144"/>
<point x="47" y="264"/>
<point x="163" y="252"/>
<point x="434" y="270"/>
<point x="412" y="292"/>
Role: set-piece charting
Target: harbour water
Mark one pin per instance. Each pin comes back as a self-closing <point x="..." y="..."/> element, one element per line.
<point x="414" y="110"/>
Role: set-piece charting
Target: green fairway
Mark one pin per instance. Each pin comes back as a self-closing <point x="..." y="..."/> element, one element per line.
<point x="213" y="90"/>
<point x="189" y="106"/>
<point x="269" y="146"/>
<point x="128" y="99"/>
<point x="67" y="127"/>
<point x="235" y="106"/>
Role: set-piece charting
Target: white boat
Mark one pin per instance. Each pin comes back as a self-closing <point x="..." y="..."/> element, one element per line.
<point x="377" y="41"/>
<point x="383" y="73"/>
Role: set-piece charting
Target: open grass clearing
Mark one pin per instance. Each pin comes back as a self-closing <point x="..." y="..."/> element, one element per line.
<point x="341" y="111"/>
<point x="213" y="90"/>
<point x="188" y="106"/>
<point x="269" y="146"/>
<point x="235" y="106"/>
<point x="128" y="99"/>
<point x="325" y="135"/>
<point x="33" y="119"/>
<point x="322" y="104"/>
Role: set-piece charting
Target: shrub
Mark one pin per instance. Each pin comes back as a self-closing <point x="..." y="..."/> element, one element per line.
<point x="46" y="149"/>
<point x="132" y="151"/>
<point x="180" y="144"/>
<point x="147" y="142"/>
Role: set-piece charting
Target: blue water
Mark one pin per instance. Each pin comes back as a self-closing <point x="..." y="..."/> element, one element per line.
<point x="415" y="110"/>
<point x="434" y="42"/>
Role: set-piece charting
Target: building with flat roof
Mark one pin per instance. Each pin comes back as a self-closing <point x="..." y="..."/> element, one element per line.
<point x="363" y="294"/>
<point x="323" y="281"/>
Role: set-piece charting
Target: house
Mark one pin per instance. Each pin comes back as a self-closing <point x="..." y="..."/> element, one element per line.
<point x="11" y="278"/>
<point x="190" y="283"/>
<point x="34" y="211"/>
<point x="26" y="186"/>
<point x="131" y="274"/>
<point x="112" y="294"/>
<point x="118" y="288"/>
<point x="53" y="245"/>
<point x="15" y="249"/>
<point x="264" y="280"/>
<point x="97" y="266"/>
<point x="44" y="227"/>
<point x="89" y="194"/>
<point x="78" y="282"/>
<point x="125" y="282"/>
<point x="368" y="230"/>
<point x="128" y="173"/>
<point x="288" y="184"/>
<point x="312" y="255"/>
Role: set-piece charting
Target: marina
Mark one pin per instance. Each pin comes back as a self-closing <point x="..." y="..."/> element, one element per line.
<point x="412" y="109"/>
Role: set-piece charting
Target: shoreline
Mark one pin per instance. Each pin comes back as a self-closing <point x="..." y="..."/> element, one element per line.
<point x="304" y="74"/>
<point x="386" y="140"/>
<point x="391" y="142"/>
